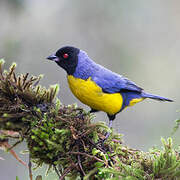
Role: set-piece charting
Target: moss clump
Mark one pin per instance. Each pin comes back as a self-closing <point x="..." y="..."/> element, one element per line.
<point x="64" y="137"/>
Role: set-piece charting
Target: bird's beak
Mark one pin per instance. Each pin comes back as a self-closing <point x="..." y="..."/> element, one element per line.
<point x="53" y="57"/>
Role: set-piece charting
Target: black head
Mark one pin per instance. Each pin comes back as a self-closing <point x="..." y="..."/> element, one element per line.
<point x="67" y="58"/>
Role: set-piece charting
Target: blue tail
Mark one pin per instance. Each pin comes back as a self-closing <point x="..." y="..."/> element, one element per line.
<point x="159" y="98"/>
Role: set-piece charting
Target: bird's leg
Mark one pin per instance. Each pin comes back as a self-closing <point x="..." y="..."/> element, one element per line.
<point x="111" y="118"/>
<point x="110" y="124"/>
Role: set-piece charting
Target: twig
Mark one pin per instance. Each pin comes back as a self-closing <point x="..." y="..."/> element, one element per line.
<point x="100" y="150"/>
<point x="96" y="146"/>
<point x="84" y="133"/>
<point x="8" y="147"/>
<point x="80" y="165"/>
<point x="57" y="172"/>
<point x="15" y="144"/>
<point x="30" y="170"/>
<point x="82" y="142"/>
<point x="93" y="171"/>
<point x="87" y="155"/>
<point x="66" y="171"/>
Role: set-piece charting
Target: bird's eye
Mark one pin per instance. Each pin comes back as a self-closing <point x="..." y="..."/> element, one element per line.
<point x="65" y="56"/>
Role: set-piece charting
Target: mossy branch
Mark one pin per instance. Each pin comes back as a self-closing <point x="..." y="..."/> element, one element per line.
<point x="64" y="137"/>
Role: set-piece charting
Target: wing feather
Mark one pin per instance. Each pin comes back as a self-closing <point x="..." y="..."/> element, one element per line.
<point x="111" y="82"/>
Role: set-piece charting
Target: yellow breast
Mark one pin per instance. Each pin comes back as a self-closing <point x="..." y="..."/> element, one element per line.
<point x="92" y="95"/>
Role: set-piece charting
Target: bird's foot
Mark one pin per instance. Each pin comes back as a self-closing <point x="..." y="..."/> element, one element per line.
<point x="108" y="133"/>
<point x="101" y="141"/>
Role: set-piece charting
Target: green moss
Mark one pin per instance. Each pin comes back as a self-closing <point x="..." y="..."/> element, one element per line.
<point x="64" y="137"/>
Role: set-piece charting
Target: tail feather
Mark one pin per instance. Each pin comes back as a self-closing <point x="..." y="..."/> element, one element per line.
<point x="156" y="97"/>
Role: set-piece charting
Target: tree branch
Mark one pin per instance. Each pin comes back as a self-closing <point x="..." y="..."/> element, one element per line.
<point x="64" y="136"/>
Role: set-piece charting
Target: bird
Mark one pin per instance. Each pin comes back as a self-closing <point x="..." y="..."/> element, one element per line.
<point x="98" y="87"/>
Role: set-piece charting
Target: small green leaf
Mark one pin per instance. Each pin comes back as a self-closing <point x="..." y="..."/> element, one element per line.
<point x="95" y="151"/>
<point x="99" y="164"/>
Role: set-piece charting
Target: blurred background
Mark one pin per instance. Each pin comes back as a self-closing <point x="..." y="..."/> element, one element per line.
<point x="138" y="39"/>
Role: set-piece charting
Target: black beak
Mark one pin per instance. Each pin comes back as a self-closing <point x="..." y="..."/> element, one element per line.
<point x="53" y="57"/>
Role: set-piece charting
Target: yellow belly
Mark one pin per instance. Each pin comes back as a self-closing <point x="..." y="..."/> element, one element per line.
<point x="92" y="95"/>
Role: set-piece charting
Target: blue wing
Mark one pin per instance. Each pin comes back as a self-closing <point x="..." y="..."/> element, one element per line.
<point x="111" y="82"/>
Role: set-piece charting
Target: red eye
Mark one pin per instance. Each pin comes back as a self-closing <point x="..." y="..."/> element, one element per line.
<point x="65" y="56"/>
